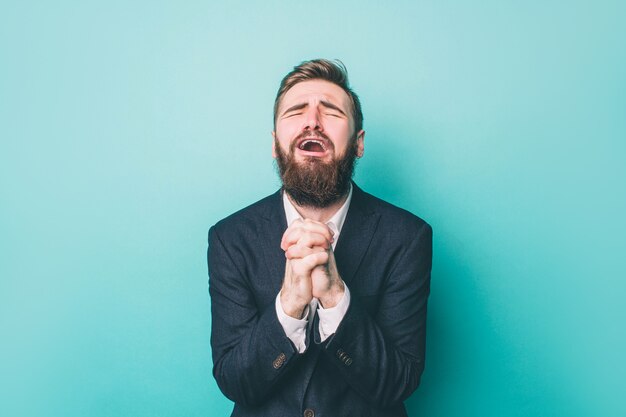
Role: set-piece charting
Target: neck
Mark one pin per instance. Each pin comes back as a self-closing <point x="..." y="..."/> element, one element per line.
<point x="319" y="214"/>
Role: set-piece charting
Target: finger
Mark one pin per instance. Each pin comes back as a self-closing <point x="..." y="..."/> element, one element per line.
<point x="306" y="237"/>
<point x="310" y="240"/>
<point x="297" y="230"/>
<point x="315" y="259"/>
<point x="313" y="239"/>
<point x="303" y="266"/>
<point x="319" y="226"/>
<point x="293" y="232"/>
<point x="300" y="251"/>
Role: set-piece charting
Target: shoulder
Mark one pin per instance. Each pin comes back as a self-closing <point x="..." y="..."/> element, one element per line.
<point x="248" y="218"/>
<point x="391" y="217"/>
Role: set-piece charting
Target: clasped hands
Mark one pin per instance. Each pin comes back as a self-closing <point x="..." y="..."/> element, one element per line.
<point x="310" y="270"/>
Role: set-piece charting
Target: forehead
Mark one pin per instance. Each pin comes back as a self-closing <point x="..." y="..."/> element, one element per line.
<point x="316" y="90"/>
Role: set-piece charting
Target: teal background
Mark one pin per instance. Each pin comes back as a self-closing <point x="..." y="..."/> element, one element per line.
<point x="129" y="128"/>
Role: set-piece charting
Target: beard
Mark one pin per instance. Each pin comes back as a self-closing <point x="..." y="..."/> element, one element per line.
<point x="313" y="182"/>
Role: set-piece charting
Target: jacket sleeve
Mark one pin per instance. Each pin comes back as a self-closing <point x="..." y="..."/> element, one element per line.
<point x="251" y="352"/>
<point x="382" y="357"/>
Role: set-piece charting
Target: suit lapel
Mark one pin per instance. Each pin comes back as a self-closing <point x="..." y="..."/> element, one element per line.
<point x="271" y="232"/>
<point x="356" y="235"/>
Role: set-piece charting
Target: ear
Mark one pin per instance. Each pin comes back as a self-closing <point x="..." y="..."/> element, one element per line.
<point x="274" y="144"/>
<point x="360" y="147"/>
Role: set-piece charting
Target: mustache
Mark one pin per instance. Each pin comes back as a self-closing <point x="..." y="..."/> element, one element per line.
<point x="315" y="183"/>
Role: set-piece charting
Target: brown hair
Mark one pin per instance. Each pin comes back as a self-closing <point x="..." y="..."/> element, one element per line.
<point x="321" y="69"/>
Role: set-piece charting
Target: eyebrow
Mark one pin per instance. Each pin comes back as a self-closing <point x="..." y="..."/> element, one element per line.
<point x="324" y="103"/>
<point x="295" y="107"/>
<point x="331" y="106"/>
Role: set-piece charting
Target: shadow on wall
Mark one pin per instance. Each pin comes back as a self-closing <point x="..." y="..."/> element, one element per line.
<point x="474" y="363"/>
<point x="387" y="167"/>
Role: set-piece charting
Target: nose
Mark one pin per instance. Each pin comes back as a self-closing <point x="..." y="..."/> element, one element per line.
<point x="312" y="120"/>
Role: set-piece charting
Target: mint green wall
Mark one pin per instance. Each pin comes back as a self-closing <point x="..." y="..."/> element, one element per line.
<point x="128" y="128"/>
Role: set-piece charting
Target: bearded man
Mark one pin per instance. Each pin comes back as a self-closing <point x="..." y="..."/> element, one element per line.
<point x="319" y="291"/>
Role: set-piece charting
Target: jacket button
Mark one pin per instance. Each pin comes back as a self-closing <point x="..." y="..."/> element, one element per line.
<point x="348" y="362"/>
<point x="309" y="413"/>
<point x="279" y="361"/>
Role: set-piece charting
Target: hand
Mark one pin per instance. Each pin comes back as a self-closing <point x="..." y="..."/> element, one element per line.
<point x="311" y="270"/>
<point x="305" y="234"/>
<point x="304" y="243"/>
<point x="326" y="284"/>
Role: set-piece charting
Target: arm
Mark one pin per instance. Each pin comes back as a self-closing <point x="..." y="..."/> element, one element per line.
<point x="382" y="357"/>
<point x="251" y="353"/>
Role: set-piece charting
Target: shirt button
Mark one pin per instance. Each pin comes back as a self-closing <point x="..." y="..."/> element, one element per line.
<point x="309" y="413"/>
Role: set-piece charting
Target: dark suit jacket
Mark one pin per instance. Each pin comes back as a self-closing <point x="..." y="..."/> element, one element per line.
<point x="376" y="357"/>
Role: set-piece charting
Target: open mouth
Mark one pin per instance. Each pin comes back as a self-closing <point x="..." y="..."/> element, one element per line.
<point x="312" y="145"/>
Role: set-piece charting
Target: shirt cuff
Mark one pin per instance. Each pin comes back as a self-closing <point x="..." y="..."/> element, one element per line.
<point x="294" y="329"/>
<point x="330" y="318"/>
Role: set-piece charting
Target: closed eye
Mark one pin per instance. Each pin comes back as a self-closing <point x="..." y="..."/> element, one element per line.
<point x="294" y="110"/>
<point x="332" y="110"/>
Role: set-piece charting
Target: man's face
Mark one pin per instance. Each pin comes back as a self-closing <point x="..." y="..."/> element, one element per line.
<point x="315" y="145"/>
<point x="316" y="117"/>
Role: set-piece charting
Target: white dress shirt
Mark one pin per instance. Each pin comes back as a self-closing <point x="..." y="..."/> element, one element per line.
<point x="295" y="329"/>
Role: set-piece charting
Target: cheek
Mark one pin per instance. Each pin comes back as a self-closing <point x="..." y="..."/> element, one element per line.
<point x="340" y="127"/>
<point x="282" y="140"/>
<point x="340" y="132"/>
<point x="286" y="130"/>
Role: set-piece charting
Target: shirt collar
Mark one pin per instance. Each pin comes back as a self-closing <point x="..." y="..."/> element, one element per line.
<point x="335" y="222"/>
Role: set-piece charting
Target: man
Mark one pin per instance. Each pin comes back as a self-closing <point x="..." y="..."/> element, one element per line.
<point x="318" y="292"/>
